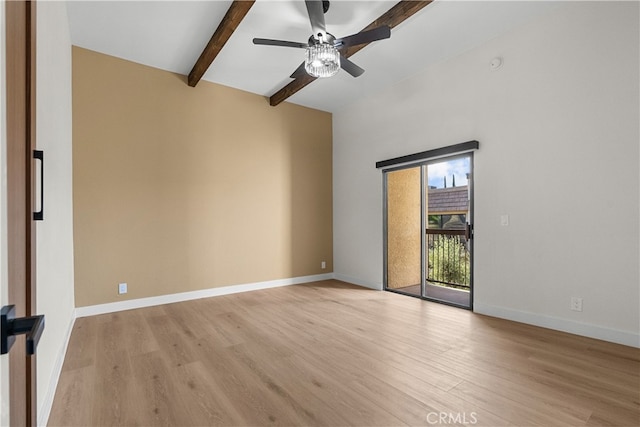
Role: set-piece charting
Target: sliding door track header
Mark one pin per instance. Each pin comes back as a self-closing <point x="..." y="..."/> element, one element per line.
<point x="429" y="154"/>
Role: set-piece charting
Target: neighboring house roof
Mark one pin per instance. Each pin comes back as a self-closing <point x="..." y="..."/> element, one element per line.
<point x="448" y="200"/>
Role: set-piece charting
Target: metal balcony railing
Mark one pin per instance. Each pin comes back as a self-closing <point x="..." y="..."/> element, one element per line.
<point x="448" y="258"/>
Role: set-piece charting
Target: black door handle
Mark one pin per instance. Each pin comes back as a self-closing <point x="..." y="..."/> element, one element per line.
<point x="12" y="326"/>
<point x="39" y="154"/>
<point x="468" y="231"/>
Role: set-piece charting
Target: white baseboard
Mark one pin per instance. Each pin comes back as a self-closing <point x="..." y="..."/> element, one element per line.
<point x="356" y="281"/>
<point x="564" y="325"/>
<point x="186" y="296"/>
<point x="45" y="409"/>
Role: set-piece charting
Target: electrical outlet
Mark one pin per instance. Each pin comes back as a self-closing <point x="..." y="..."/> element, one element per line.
<point x="323" y="265"/>
<point x="504" y="220"/>
<point x="576" y="304"/>
<point x="122" y="288"/>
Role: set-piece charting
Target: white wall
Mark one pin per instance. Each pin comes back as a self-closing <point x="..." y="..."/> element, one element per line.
<point x="55" y="234"/>
<point x="558" y="127"/>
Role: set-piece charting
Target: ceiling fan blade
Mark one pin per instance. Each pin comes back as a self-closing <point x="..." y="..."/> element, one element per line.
<point x="283" y="43"/>
<point x="383" y="32"/>
<point x="350" y="67"/>
<point x="316" y="16"/>
<point x="299" y="72"/>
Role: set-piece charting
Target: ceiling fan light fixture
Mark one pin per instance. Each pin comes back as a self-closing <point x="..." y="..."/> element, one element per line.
<point x="322" y="60"/>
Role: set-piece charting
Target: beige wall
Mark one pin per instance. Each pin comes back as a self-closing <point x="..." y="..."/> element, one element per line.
<point x="179" y="189"/>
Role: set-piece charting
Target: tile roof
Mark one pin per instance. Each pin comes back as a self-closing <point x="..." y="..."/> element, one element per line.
<point x="448" y="200"/>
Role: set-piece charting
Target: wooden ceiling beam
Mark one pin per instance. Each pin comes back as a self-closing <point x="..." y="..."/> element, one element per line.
<point x="400" y="12"/>
<point x="236" y="13"/>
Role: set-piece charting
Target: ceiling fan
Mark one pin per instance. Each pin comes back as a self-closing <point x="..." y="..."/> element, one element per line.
<point x="323" y="57"/>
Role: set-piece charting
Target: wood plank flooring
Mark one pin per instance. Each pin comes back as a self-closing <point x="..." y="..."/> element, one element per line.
<point x="332" y="354"/>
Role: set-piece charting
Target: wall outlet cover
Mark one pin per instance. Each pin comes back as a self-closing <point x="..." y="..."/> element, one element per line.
<point x="576" y="304"/>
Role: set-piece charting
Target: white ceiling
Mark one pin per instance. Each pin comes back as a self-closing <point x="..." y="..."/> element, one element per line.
<point x="170" y="35"/>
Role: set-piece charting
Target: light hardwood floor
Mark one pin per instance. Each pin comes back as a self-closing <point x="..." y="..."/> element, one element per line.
<point x="333" y="354"/>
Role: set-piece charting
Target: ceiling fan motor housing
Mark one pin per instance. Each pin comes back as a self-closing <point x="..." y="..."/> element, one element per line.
<point x="326" y="38"/>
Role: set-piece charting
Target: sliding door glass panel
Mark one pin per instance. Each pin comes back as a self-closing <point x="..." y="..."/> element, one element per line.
<point x="404" y="231"/>
<point x="448" y="248"/>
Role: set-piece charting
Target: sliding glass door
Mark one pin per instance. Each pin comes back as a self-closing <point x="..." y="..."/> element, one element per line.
<point x="428" y="245"/>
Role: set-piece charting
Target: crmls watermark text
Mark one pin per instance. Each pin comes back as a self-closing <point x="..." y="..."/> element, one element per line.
<point x="452" y="418"/>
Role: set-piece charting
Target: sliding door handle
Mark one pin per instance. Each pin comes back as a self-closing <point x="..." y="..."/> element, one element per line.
<point x="39" y="155"/>
<point x="11" y="326"/>
<point x="468" y="231"/>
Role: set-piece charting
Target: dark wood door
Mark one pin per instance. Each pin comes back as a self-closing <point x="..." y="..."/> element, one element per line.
<point x="20" y="97"/>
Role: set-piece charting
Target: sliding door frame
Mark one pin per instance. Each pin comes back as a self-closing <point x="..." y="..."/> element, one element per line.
<point x="423" y="164"/>
<point x="423" y="219"/>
